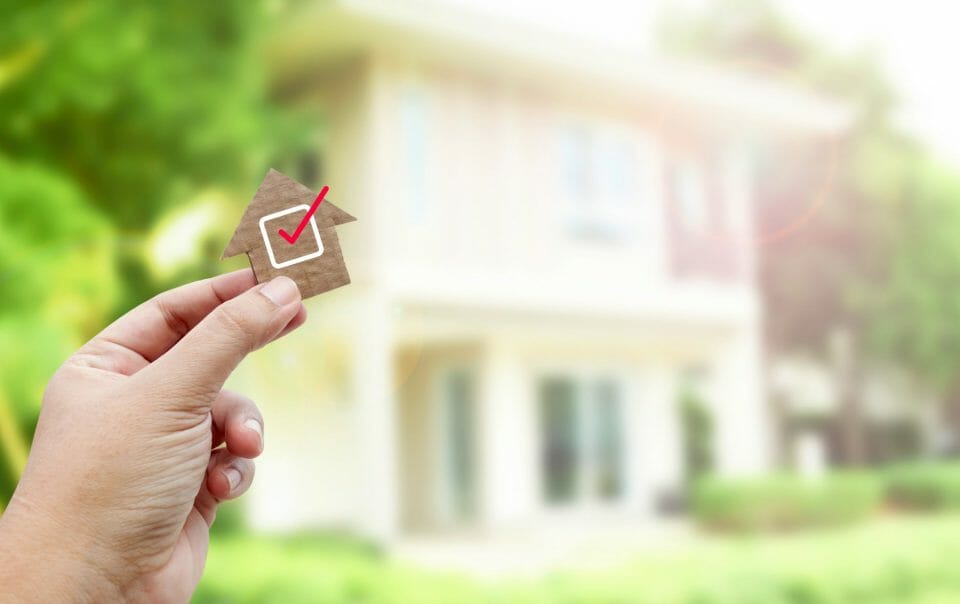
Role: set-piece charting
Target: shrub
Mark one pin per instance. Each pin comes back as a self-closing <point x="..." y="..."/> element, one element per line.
<point x="784" y="502"/>
<point x="891" y="560"/>
<point x="928" y="486"/>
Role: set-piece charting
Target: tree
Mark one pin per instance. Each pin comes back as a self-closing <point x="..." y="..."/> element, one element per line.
<point x="872" y="265"/>
<point x="112" y="114"/>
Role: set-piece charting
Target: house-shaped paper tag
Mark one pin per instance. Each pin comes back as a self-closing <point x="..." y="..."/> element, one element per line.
<point x="279" y="239"/>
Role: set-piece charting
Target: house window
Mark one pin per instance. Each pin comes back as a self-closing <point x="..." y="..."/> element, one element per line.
<point x="413" y="132"/>
<point x="582" y="440"/>
<point x="688" y="189"/>
<point x="599" y="181"/>
<point x="457" y="427"/>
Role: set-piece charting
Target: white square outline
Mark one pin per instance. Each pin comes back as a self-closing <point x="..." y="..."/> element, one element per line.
<point x="266" y="238"/>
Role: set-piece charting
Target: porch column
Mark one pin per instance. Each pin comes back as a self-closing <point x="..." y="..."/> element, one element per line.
<point x="654" y="439"/>
<point x="742" y="441"/>
<point x="507" y="452"/>
<point x="376" y="478"/>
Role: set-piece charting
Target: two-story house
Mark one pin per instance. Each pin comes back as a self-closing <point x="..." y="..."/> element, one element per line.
<point x="551" y="236"/>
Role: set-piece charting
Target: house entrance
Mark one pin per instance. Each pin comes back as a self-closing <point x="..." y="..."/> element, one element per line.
<point x="438" y="428"/>
<point x="582" y="444"/>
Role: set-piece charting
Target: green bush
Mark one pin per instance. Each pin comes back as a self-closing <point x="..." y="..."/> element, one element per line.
<point x="929" y="486"/>
<point x="890" y="560"/>
<point x="784" y="502"/>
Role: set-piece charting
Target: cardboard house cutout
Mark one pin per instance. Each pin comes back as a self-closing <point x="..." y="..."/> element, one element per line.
<point x="281" y="236"/>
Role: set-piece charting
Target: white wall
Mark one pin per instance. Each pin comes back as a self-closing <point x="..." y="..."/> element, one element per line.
<point x="741" y="417"/>
<point x="494" y="182"/>
<point x="492" y="224"/>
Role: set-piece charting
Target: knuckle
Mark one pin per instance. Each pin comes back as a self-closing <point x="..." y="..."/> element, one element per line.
<point x="237" y="404"/>
<point x="174" y="321"/>
<point x="237" y="325"/>
<point x="243" y="401"/>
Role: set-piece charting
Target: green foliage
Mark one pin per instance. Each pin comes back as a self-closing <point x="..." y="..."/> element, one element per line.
<point x="912" y="317"/>
<point x="929" y="486"/>
<point x="230" y="519"/>
<point x="56" y="276"/>
<point x="697" y="435"/>
<point x="56" y="251"/>
<point x="785" y="502"/>
<point x="137" y="103"/>
<point x="878" y="253"/>
<point x="901" y="561"/>
<point x="114" y="115"/>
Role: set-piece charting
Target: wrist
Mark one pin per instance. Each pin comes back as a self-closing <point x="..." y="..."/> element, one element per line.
<point x="42" y="561"/>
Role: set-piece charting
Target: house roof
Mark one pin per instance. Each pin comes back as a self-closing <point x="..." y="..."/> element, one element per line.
<point x="326" y="32"/>
<point x="277" y="192"/>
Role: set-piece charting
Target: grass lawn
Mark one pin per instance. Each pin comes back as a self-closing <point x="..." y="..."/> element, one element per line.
<point x="903" y="560"/>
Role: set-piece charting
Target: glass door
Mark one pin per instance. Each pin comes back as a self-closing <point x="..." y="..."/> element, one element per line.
<point x="457" y="427"/>
<point x="582" y="444"/>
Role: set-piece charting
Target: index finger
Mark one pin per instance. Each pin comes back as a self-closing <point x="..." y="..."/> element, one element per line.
<point x="151" y="329"/>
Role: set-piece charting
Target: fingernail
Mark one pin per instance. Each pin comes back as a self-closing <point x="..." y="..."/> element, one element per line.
<point x="281" y="291"/>
<point x="256" y="427"/>
<point x="233" y="477"/>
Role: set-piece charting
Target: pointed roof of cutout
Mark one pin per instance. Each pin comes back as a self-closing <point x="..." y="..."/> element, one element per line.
<point x="276" y="192"/>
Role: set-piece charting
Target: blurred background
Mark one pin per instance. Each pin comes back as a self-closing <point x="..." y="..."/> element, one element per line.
<point x="651" y="302"/>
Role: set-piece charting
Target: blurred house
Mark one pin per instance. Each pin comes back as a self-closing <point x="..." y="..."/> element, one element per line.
<point x="552" y="236"/>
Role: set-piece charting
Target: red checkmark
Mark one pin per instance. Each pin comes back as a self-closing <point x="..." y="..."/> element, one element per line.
<point x="291" y="239"/>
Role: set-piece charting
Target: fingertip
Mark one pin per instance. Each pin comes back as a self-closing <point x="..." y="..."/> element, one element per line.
<point x="218" y="483"/>
<point x="233" y="477"/>
<point x="230" y="479"/>
<point x="298" y="319"/>
<point x="301" y="316"/>
<point x="240" y="422"/>
<point x="245" y="439"/>
<point x="255" y="427"/>
<point x="281" y="291"/>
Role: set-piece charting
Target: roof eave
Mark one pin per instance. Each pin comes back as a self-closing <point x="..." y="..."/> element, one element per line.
<point x="330" y="31"/>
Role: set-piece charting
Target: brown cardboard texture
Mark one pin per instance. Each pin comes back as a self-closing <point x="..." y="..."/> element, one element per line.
<point x="313" y="259"/>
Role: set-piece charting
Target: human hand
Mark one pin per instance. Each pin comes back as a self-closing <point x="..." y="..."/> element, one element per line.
<point x="127" y="468"/>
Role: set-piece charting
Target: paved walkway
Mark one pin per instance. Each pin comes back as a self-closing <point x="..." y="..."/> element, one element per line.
<point x="533" y="551"/>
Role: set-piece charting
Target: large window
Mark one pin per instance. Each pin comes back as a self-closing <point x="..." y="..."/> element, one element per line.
<point x="582" y="440"/>
<point x="598" y="177"/>
<point x="413" y="132"/>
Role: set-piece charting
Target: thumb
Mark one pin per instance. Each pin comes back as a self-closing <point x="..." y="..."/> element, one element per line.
<point x="201" y="361"/>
